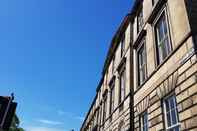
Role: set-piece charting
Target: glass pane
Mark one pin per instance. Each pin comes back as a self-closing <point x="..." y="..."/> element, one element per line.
<point x="162" y="38"/>
<point x="145" y="122"/>
<point x="122" y="85"/>
<point x="165" y="25"/>
<point x="172" y="103"/>
<point x="143" y="73"/>
<point x="160" y="54"/>
<point x="174" y="117"/>
<point x="141" y="76"/>
<point x="177" y="128"/>
<point x="169" y="119"/>
<point x="167" y="106"/>
<point x="142" y="64"/>
<point x="164" y="50"/>
<point x="167" y="45"/>
<point x="161" y="35"/>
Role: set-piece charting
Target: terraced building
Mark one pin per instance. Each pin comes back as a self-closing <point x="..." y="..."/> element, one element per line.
<point x="149" y="79"/>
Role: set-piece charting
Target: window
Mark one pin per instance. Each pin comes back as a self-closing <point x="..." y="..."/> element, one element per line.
<point x="104" y="109"/>
<point x="142" y="72"/>
<point x="140" y="20"/>
<point x="113" y="63"/>
<point x="171" y="115"/>
<point x="144" y="121"/>
<point x="162" y="38"/>
<point x="100" y="116"/>
<point x="112" y="95"/>
<point x="122" y="45"/>
<point x="122" y="85"/>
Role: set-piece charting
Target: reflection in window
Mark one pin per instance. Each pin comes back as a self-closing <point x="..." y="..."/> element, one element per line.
<point x="162" y="38"/>
<point x="144" y="122"/>
<point x="142" y="63"/>
<point x="171" y="114"/>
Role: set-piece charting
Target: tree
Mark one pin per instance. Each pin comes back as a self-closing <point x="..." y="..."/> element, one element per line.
<point x="15" y="124"/>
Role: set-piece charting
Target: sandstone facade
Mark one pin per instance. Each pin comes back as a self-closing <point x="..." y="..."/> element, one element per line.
<point x="149" y="79"/>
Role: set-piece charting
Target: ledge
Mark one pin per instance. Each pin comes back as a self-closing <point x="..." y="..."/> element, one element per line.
<point x="112" y="80"/>
<point x="121" y="64"/>
<point x="139" y="37"/>
<point x="157" y="7"/>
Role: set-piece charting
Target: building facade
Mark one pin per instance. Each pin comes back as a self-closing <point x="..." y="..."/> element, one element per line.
<point x="149" y="79"/>
<point x="110" y="109"/>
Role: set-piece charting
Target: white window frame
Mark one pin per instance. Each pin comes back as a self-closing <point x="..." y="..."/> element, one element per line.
<point x="142" y="125"/>
<point x="165" y="113"/>
<point x="112" y="96"/>
<point x="163" y="13"/>
<point x="122" y="89"/>
<point x="142" y="44"/>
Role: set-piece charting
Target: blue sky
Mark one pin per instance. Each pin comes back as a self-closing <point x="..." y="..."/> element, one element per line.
<point x="51" y="56"/>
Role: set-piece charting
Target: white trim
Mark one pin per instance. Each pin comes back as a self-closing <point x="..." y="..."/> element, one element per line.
<point x="165" y="113"/>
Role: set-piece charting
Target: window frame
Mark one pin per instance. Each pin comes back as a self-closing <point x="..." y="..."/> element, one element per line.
<point x="113" y="63"/>
<point x="112" y="96"/>
<point x="142" y="44"/>
<point x="104" y="108"/>
<point x="162" y="13"/>
<point x="165" y="113"/>
<point x="122" y="73"/>
<point x="123" y="44"/>
<point x="142" y="121"/>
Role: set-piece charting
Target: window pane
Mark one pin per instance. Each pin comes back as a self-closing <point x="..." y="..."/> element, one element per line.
<point x="169" y="119"/>
<point x="144" y="125"/>
<point x="160" y="31"/>
<point x="176" y="128"/>
<point x="122" y="85"/>
<point x="167" y="106"/>
<point x="142" y="63"/>
<point x="165" y="26"/>
<point x="167" y="45"/>
<point x="174" y="119"/>
<point x="172" y="103"/>
<point x="163" y="44"/>
<point x="171" y="114"/>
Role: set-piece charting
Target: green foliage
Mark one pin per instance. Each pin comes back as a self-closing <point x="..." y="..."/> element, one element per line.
<point x="15" y="124"/>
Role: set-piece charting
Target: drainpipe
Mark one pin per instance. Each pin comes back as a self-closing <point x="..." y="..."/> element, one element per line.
<point x="131" y="79"/>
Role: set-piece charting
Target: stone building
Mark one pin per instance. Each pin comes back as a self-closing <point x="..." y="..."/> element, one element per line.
<point x="149" y="79"/>
<point x="110" y="109"/>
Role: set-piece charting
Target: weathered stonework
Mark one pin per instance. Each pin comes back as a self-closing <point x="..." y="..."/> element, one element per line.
<point x="175" y="76"/>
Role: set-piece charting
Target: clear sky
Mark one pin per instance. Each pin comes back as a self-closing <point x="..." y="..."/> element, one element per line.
<point x="51" y="56"/>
